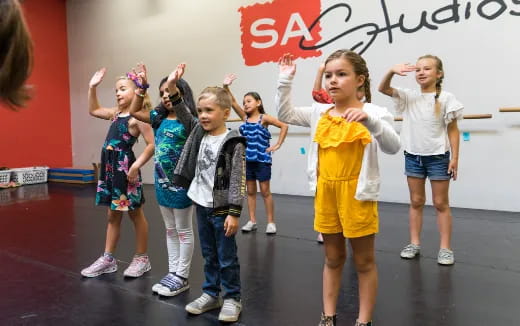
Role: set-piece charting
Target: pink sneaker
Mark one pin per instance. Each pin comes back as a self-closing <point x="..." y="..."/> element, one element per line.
<point x="101" y="266"/>
<point x="138" y="266"/>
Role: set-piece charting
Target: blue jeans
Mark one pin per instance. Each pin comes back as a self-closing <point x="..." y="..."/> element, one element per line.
<point x="434" y="167"/>
<point x="220" y="255"/>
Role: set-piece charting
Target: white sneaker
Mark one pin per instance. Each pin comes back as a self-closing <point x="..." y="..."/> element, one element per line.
<point x="203" y="303"/>
<point x="271" y="228"/>
<point x="410" y="251"/>
<point x="101" y="266"/>
<point x="138" y="266"/>
<point x="445" y="257"/>
<point x="230" y="310"/>
<point x="250" y="226"/>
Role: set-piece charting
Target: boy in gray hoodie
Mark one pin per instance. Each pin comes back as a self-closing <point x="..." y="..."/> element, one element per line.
<point x="212" y="166"/>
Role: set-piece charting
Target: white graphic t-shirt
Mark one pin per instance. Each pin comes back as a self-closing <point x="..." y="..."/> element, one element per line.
<point x="201" y="188"/>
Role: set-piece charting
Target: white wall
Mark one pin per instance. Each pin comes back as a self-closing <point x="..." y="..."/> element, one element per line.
<point x="481" y="59"/>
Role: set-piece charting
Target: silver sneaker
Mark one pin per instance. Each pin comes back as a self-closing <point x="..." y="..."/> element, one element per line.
<point x="230" y="310"/>
<point x="410" y="251"/>
<point x="101" y="266"/>
<point x="271" y="228"/>
<point x="138" y="266"/>
<point x="445" y="257"/>
<point x="250" y="226"/>
<point x="203" y="303"/>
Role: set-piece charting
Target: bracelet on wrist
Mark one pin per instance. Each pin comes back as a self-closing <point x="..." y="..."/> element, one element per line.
<point x="133" y="77"/>
<point x="175" y="98"/>
<point x="139" y="94"/>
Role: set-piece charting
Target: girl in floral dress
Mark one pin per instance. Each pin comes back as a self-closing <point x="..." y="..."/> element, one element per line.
<point x="119" y="185"/>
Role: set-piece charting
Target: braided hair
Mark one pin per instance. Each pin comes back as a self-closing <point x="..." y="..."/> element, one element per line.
<point x="438" y="82"/>
<point x="360" y="68"/>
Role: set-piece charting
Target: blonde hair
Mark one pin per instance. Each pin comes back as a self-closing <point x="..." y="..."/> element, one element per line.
<point x="222" y="97"/>
<point x="147" y="102"/>
<point x="438" y="82"/>
<point x="360" y="68"/>
<point x="16" y="57"/>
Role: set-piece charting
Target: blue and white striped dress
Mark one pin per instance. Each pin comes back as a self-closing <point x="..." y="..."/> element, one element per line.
<point x="257" y="141"/>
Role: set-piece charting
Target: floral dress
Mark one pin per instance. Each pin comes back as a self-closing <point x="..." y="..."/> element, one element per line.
<point x="117" y="157"/>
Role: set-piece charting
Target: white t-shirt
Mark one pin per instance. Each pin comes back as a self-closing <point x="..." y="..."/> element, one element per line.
<point x="423" y="132"/>
<point x="201" y="188"/>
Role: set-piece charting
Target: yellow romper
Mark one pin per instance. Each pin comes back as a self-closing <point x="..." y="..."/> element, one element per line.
<point x="341" y="146"/>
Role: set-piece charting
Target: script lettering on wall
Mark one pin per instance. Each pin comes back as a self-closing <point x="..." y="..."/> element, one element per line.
<point x="272" y="29"/>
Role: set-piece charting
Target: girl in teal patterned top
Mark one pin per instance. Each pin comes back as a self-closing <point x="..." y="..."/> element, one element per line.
<point x="175" y="206"/>
<point x="119" y="185"/>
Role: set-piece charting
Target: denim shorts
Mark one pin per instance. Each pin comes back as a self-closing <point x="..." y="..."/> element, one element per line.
<point x="258" y="171"/>
<point x="434" y="167"/>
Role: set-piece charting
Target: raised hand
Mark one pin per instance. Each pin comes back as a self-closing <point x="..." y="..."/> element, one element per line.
<point x="402" y="69"/>
<point x="287" y="65"/>
<point x="321" y="68"/>
<point x="97" y="78"/>
<point x="228" y="80"/>
<point x="353" y="114"/>
<point x="141" y="73"/>
<point x="175" y="76"/>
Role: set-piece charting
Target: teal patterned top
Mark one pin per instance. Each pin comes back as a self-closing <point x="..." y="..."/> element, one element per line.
<point x="170" y="137"/>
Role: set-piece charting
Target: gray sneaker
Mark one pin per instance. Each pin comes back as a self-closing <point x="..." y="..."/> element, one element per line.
<point x="445" y="257"/>
<point x="203" y="303"/>
<point x="249" y="226"/>
<point x="410" y="251"/>
<point x="230" y="310"/>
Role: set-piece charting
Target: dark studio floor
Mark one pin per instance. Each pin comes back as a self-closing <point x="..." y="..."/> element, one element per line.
<point x="49" y="232"/>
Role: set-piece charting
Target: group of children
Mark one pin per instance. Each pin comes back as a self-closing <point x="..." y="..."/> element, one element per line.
<point x="202" y="166"/>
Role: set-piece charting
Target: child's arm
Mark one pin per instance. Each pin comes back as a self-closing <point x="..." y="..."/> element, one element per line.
<point x="228" y="80"/>
<point x="318" y="93"/>
<point x="270" y="120"/>
<point x="94" y="108"/>
<point x="380" y="126"/>
<point x="237" y="189"/>
<point x="454" y="137"/>
<point x="137" y="109"/>
<point x="287" y="113"/>
<point x="181" y="110"/>
<point x="146" y="131"/>
<point x="401" y="70"/>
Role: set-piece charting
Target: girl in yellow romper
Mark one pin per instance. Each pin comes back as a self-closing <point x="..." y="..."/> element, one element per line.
<point x="343" y="171"/>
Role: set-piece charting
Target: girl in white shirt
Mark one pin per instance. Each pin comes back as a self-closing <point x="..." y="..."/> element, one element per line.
<point x="428" y="133"/>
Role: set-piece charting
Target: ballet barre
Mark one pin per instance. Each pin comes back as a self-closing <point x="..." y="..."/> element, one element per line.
<point x="509" y="110"/>
<point x="466" y="117"/>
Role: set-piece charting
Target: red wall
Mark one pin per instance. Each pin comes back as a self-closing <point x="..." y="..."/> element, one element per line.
<point x="41" y="133"/>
